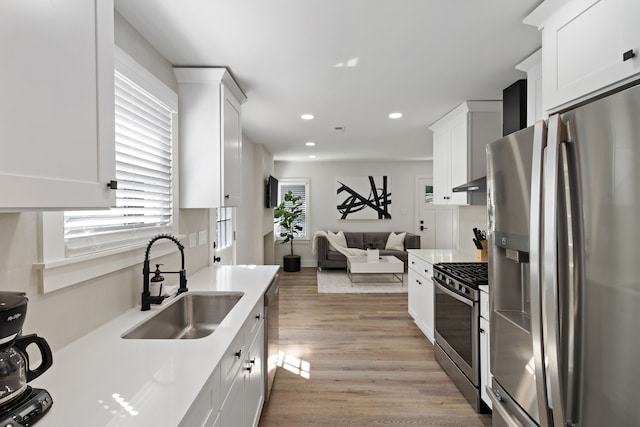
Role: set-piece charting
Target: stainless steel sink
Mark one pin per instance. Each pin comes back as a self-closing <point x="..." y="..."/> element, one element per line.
<point x="191" y="315"/>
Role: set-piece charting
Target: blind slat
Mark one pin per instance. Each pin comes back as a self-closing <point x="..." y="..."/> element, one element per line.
<point x="144" y="198"/>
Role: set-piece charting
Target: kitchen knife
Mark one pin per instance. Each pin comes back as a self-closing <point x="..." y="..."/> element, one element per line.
<point x="477" y="243"/>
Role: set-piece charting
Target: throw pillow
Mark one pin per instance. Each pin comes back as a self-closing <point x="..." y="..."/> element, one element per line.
<point x="395" y="242"/>
<point x="336" y="239"/>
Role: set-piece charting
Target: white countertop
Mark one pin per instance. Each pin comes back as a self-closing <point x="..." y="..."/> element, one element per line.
<point x="434" y="256"/>
<point x="157" y="379"/>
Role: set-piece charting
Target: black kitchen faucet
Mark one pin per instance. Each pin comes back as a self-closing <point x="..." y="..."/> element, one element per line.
<point x="147" y="299"/>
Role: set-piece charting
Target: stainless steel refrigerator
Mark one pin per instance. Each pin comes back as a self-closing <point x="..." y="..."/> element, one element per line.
<point x="564" y="268"/>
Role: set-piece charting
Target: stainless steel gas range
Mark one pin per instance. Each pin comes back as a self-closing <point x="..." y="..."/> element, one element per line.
<point x="457" y="317"/>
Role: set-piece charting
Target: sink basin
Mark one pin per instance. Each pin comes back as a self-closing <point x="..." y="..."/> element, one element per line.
<point x="191" y="315"/>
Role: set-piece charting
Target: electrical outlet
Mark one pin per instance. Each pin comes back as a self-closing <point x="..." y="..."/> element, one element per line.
<point x="202" y="237"/>
<point x="192" y="240"/>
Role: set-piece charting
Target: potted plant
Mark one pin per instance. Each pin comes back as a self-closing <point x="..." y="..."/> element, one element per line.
<point x="373" y="253"/>
<point x="287" y="214"/>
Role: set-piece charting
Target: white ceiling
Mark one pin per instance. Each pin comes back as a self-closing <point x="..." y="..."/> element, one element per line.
<point x="349" y="62"/>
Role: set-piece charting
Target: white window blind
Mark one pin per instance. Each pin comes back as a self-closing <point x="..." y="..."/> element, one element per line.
<point x="225" y="230"/>
<point x="298" y="189"/>
<point x="144" y="198"/>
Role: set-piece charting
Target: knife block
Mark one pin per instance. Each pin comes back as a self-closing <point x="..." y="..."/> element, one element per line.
<point x="483" y="254"/>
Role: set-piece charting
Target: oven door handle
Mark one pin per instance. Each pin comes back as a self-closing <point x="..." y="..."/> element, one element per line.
<point x="453" y="294"/>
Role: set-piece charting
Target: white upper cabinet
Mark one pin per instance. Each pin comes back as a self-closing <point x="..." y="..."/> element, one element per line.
<point x="588" y="48"/>
<point x="459" y="149"/>
<point x="57" y="108"/>
<point x="210" y="138"/>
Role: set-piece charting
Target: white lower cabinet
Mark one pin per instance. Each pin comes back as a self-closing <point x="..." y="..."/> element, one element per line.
<point x="234" y="394"/>
<point x="485" y="372"/>
<point x="243" y="403"/>
<point x="421" y="295"/>
<point x="204" y="409"/>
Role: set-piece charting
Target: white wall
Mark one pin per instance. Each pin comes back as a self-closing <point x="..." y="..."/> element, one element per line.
<point x="253" y="220"/>
<point x="322" y="193"/>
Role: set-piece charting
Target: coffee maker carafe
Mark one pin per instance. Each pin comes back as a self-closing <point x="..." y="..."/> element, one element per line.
<point x="18" y="401"/>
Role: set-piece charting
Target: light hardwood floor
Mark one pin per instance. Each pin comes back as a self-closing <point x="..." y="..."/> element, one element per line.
<point x="357" y="360"/>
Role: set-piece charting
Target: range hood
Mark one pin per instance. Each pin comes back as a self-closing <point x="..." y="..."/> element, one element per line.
<point x="479" y="184"/>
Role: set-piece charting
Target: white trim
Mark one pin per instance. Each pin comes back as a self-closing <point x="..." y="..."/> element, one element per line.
<point x="62" y="272"/>
<point x="307" y="223"/>
<point x="56" y="270"/>
<point x="142" y="77"/>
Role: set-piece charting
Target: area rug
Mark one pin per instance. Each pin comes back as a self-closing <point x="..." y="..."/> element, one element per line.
<point x="337" y="282"/>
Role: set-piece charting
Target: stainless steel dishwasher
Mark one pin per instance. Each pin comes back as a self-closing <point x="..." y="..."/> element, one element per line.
<point x="272" y="334"/>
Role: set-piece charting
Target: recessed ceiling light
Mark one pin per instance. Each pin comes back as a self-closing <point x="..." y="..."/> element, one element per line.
<point x="310" y="144"/>
<point x="307" y="116"/>
<point x="395" y="115"/>
<point x="312" y="156"/>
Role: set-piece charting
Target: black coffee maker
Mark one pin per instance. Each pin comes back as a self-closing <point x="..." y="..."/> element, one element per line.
<point x="20" y="404"/>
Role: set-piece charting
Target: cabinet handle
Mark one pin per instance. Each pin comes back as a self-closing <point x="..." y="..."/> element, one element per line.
<point x="250" y="367"/>
<point x="226" y="196"/>
<point x="419" y="282"/>
<point x="238" y="353"/>
<point x="413" y="263"/>
<point x="113" y="185"/>
<point x="426" y="271"/>
<point x="481" y="331"/>
<point x="258" y="317"/>
<point x="628" y="55"/>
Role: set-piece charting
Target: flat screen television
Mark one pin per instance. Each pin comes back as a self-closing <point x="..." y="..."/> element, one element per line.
<point x="271" y="193"/>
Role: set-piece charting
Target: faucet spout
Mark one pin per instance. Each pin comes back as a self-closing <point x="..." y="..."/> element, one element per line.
<point x="147" y="298"/>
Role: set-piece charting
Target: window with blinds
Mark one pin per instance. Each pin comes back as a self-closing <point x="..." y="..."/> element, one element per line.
<point x="224" y="226"/>
<point x="144" y="198"/>
<point x="298" y="188"/>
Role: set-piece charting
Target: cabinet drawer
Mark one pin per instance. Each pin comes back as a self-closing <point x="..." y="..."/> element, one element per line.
<point x="484" y="305"/>
<point x="253" y="322"/>
<point x="420" y="266"/>
<point x="231" y="361"/>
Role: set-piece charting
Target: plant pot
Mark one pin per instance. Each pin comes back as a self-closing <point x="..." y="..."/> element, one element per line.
<point x="373" y="255"/>
<point x="291" y="263"/>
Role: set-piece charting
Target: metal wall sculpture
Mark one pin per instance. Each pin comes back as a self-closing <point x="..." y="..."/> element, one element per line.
<point x="363" y="197"/>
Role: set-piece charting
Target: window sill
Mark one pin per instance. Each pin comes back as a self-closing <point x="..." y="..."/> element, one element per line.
<point x="60" y="273"/>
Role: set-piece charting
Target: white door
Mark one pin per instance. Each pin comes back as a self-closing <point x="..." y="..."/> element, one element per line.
<point x="437" y="224"/>
<point x="426" y="213"/>
<point x="222" y="230"/>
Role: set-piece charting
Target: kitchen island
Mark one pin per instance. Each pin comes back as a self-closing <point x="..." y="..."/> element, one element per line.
<point x="104" y="380"/>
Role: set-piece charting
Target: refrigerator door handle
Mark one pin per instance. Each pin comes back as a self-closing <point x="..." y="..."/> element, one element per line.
<point x="572" y="246"/>
<point x="539" y="141"/>
<point x="549" y="288"/>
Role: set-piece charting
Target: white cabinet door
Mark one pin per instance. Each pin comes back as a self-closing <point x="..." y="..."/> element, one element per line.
<point x="414" y="292"/>
<point x="254" y="380"/>
<point x="210" y="138"/>
<point x="57" y="113"/>
<point x="583" y="49"/>
<point x="485" y="376"/>
<point x="233" y="408"/>
<point x="232" y="152"/>
<point x="459" y="141"/>
<point x="420" y="294"/>
<point x="441" y="167"/>
<point x="459" y="159"/>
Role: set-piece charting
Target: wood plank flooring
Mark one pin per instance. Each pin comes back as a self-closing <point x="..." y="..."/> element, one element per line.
<point x="357" y="360"/>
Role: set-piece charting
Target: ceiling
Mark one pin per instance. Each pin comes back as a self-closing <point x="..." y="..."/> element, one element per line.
<point x="348" y="62"/>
